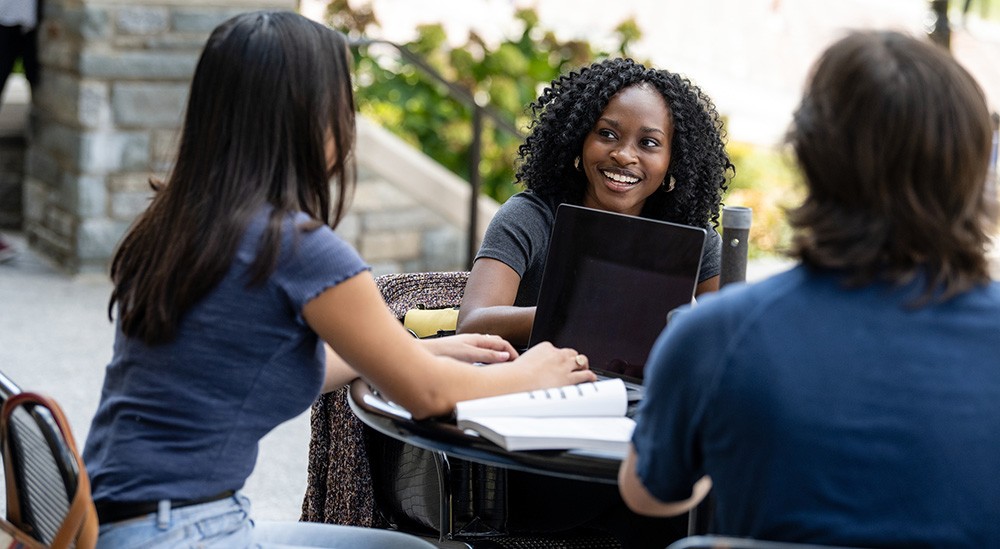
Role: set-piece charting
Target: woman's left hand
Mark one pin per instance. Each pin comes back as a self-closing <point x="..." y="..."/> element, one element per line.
<point x="472" y="348"/>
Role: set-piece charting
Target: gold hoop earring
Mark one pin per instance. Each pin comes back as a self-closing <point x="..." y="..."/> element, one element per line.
<point x="667" y="188"/>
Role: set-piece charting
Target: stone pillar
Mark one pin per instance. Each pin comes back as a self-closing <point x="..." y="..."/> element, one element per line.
<point x="115" y="79"/>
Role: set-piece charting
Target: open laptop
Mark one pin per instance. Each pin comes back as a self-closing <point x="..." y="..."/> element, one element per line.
<point x="609" y="281"/>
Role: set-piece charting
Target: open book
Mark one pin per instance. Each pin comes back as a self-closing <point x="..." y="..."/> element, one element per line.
<point x="588" y="416"/>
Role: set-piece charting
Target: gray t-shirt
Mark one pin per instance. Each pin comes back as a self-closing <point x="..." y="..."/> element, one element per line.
<point x="519" y="233"/>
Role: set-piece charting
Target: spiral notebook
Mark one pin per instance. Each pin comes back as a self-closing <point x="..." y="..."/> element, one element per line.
<point x="609" y="281"/>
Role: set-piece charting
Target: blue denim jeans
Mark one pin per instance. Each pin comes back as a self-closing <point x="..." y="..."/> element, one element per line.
<point x="227" y="523"/>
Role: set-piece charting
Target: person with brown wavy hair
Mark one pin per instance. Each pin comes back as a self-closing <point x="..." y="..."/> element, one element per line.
<point x="895" y="169"/>
<point x="855" y="399"/>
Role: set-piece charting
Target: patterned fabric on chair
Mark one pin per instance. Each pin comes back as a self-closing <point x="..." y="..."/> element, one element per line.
<point x="339" y="488"/>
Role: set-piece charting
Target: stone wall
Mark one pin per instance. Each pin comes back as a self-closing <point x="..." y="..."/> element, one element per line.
<point x="106" y="117"/>
<point x="11" y="176"/>
<point x="114" y="82"/>
<point x="13" y="117"/>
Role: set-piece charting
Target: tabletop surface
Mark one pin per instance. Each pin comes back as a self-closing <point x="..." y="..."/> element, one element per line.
<point x="442" y="435"/>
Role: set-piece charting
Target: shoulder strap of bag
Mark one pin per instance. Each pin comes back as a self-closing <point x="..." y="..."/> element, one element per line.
<point x="76" y="526"/>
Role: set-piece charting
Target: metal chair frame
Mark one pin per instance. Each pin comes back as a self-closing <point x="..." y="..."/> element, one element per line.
<point x="48" y="491"/>
<point x="729" y="542"/>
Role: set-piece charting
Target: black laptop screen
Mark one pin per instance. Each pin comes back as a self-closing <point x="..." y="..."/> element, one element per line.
<point x="610" y="281"/>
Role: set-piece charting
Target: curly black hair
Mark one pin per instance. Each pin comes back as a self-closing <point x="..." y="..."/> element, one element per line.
<point x="568" y="109"/>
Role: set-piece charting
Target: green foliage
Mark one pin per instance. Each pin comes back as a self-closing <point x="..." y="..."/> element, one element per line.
<point x="505" y="77"/>
<point x="984" y="9"/>
<point x="767" y="181"/>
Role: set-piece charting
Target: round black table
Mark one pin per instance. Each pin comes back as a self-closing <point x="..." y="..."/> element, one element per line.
<point x="443" y="436"/>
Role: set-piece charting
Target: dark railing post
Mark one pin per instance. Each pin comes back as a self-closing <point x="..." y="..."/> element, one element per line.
<point x="479" y="111"/>
<point x="938" y="28"/>
<point x="475" y="182"/>
<point x="735" y="243"/>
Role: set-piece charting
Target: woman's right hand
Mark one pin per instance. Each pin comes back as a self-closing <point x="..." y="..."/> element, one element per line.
<point x="551" y="366"/>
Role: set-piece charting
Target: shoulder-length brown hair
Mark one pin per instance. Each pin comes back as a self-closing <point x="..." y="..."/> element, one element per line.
<point x="894" y="138"/>
<point x="270" y="92"/>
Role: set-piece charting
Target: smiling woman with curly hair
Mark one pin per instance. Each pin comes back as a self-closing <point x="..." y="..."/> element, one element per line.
<point x="616" y="136"/>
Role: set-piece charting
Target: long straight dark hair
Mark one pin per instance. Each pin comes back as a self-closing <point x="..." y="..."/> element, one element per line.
<point x="271" y="92"/>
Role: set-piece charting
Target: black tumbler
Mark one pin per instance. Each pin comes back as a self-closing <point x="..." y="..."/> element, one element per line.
<point x="735" y="236"/>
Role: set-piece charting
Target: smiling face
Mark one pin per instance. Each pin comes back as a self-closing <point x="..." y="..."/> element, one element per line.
<point x="627" y="153"/>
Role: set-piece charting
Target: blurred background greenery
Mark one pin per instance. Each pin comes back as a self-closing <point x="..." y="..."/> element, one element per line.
<point x="984" y="9"/>
<point x="506" y="77"/>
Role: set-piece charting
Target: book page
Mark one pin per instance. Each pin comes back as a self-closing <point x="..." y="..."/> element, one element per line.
<point x="608" y="435"/>
<point x="600" y="398"/>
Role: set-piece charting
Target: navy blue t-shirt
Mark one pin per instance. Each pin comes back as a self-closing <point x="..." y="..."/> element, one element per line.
<point x="830" y="415"/>
<point x="182" y="420"/>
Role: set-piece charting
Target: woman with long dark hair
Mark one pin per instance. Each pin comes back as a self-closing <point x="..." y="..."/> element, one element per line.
<point x="236" y="303"/>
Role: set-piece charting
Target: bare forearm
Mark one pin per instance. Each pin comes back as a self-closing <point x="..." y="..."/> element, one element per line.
<point x="509" y="322"/>
<point x="708" y="285"/>
<point x="338" y="372"/>
<point x="638" y="498"/>
<point x="353" y="319"/>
